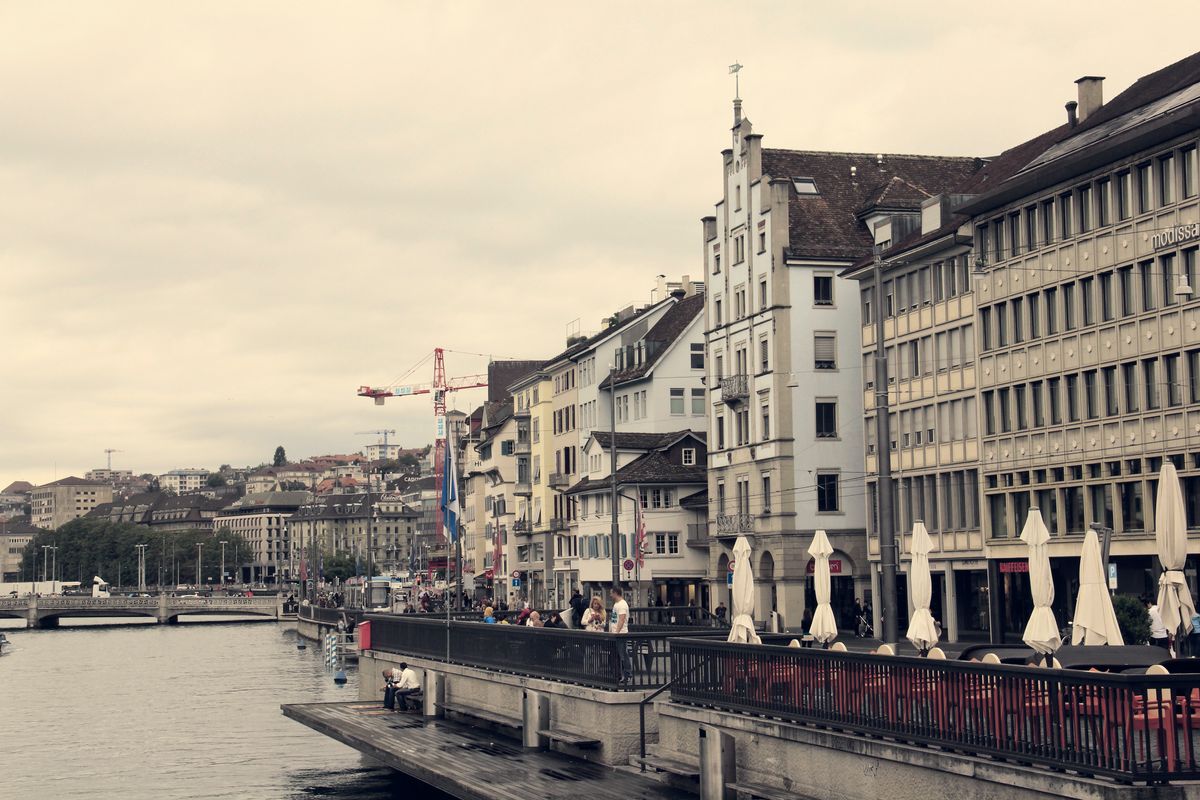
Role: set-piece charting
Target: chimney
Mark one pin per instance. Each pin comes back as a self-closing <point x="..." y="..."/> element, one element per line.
<point x="1091" y="95"/>
<point x="1071" y="119"/>
<point x="689" y="288"/>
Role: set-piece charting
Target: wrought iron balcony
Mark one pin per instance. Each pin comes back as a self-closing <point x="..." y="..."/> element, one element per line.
<point x="521" y="526"/>
<point x="732" y="524"/>
<point x="558" y="524"/>
<point x="735" y="388"/>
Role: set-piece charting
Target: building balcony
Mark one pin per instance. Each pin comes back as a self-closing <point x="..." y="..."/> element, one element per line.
<point x="735" y="388"/>
<point x="523" y="488"/>
<point x="734" y="524"/>
<point x="521" y="447"/>
<point x="522" y="527"/>
<point x="558" y="480"/>
<point x="520" y="413"/>
<point x="558" y="524"/>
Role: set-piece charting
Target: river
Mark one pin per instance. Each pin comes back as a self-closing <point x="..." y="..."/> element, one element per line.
<point x="170" y="712"/>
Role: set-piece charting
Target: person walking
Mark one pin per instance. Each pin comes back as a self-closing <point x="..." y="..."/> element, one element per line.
<point x="618" y="624"/>
<point x="577" y="608"/>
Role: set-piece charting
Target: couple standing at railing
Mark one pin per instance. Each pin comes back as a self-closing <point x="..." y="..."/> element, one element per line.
<point x="595" y="619"/>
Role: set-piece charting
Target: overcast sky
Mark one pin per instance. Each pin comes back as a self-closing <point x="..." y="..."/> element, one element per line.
<point x="218" y="219"/>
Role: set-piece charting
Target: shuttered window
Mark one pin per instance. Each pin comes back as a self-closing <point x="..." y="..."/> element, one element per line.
<point x="824" y="351"/>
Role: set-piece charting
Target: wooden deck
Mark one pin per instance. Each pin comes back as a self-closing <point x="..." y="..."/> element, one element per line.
<point x="470" y="763"/>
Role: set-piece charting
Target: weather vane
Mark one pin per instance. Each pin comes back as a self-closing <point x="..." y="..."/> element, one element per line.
<point x="734" y="69"/>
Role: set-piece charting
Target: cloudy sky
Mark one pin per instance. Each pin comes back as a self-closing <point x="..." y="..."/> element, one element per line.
<point x="218" y="219"/>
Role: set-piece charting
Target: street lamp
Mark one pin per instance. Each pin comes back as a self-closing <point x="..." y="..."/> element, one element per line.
<point x="141" y="551"/>
<point x="199" y="562"/>
<point x="615" y="498"/>
<point x="883" y="468"/>
<point x="222" y="543"/>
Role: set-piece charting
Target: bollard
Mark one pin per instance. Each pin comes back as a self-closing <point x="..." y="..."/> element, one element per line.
<point x="433" y="693"/>
<point x="536" y="718"/>
<point x="718" y="764"/>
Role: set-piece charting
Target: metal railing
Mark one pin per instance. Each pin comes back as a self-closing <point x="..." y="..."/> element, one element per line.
<point x="1126" y="727"/>
<point x="558" y="524"/>
<point x="330" y="616"/>
<point x="571" y="656"/>
<point x="674" y="617"/>
<point x="735" y="388"/>
<point x="734" y="523"/>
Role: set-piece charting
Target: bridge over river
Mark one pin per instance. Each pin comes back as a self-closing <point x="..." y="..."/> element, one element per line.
<point x="45" y="612"/>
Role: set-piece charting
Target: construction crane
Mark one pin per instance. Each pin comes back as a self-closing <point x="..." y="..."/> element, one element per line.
<point x="385" y="432"/>
<point x="108" y="451"/>
<point x="439" y="388"/>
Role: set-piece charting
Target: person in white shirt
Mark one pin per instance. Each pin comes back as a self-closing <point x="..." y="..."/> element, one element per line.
<point x="401" y="682"/>
<point x="1158" y="632"/>
<point x="618" y="622"/>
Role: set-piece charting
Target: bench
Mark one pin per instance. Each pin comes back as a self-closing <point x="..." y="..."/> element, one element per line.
<point x="493" y="717"/>
<point x="672" y="767"/>
<point x="566" y="737"/>
<point x="756" y="791"/>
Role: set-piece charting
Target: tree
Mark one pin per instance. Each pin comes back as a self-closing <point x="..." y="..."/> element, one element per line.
<point x="280" y="457"/>
<point x="1132" y="618"/>
<point x="338" y="567"/>
<point x="216" y="480"/>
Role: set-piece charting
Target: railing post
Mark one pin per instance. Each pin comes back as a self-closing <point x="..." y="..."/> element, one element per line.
<point x="718" y="763"/>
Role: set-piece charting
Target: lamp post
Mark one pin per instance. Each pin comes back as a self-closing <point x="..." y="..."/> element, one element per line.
<point x="199" y="562"/>
<point x="615" y="497"/>
<point x="141" y="551"/>
<point x="223" y="542"/>
<point x="45" y="560"/>
<point x="883" y="461"/>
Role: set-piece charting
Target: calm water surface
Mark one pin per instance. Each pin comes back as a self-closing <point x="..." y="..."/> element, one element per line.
<point x="160" y="712"/>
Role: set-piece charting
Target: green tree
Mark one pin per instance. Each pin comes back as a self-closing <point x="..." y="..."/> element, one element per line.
<point x="216" y="480"/>
<point x="338" y="566"/>
<point x="1132" y="618"/>
<point x="280" y="457"/>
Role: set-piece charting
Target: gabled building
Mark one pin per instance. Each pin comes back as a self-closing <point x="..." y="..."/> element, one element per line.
<point x="656" y="471"/>
<point x="55" y="504"/>
<point x="783" y="327"/>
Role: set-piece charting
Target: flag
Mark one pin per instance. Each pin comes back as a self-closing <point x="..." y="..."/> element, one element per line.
<point x="640" y="536"/>
<point x="450" y="495"/>
<point x="735" y="68"/>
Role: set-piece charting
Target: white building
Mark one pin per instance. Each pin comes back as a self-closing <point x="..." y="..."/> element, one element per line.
<point x="786" y="446"/>
<point x="182" y="481"/>
<point x="262" y="521"/>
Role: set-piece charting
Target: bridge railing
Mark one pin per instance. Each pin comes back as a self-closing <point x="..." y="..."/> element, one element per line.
<point x="571" y="656"/>
<point x="1128" y="727"/>
<point x="223" y="602"/>
<point x="55" y="603"/>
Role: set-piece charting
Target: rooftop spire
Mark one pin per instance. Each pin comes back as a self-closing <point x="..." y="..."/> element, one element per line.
<point x="734" y="69"/>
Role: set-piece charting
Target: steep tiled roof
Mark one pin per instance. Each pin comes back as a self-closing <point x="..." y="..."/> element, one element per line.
<point x="636" y="441"/>
<point x="1147" y="89"/>
<point x="72" y="481"/>
<point x="648" y="468"/>
<point x="503" y="374"/>
<point x="826" y="224"/>
<point x="695" y="502"/>
<point x="669" y="327"/>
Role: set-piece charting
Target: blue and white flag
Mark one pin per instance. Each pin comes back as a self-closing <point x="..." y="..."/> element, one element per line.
<point x="450" y="495"/>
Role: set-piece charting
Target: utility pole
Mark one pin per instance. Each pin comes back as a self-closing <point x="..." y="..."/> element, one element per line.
<point x="883" y="461"/>
<point x="141" y="551"/>
<point x="615" y="499"/>
<point x="223" y="543"/>
<point x="199" y="556"/>
<point x="45" y="560"/>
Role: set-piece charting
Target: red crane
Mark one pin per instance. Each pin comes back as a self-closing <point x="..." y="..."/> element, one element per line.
<point x="438" y="388"/>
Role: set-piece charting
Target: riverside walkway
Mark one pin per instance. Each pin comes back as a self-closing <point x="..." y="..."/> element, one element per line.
<point x="45" y="612"/>
<point x="470" y="763"/>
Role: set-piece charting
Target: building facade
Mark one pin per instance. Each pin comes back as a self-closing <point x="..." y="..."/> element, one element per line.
<point x="55" y="504"/>
<point x="261" y="520"/>
<point x="182" y="481"/>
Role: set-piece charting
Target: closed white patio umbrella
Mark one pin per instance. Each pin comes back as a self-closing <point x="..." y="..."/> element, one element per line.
<point x="1170" y="536"/>
<point x="824" y="626"/>
<point x="922" y="631"/>
<point x="742" y="627"/>
<point x="1041" y="632"/>
<point x="1095" y="621"/>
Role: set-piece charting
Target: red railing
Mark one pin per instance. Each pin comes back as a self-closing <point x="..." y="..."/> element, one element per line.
<point x="1126" y="727"/>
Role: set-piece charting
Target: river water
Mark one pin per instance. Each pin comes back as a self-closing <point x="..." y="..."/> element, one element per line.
<point x="170" y="712"/>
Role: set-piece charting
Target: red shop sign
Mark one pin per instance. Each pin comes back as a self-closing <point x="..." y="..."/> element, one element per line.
<point x="1014" y="566"/>
<point x="835" y="566"/>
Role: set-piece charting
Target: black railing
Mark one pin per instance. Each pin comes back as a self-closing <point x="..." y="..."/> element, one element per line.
<point x="674" y="617"/>
<point x="599" y="660"/>
<point x="1126" y="727"/>
<point x="330" y="616"/>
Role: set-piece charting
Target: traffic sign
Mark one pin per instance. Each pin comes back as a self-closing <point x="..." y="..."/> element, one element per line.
<point x="628" y="565"/>
<point x="731" y="562"/>
<point x="516" y="573"/>
<point x="516" y="583"/>
<point x="729" y="579"/>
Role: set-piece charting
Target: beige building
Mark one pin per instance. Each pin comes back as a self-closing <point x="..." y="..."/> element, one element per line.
<point x="15" y="534"/>
<point x="1089" y="335"/>
<point x="55" y="504"/>
<point x="182" y="481"/>
<point x="261" y="520"/>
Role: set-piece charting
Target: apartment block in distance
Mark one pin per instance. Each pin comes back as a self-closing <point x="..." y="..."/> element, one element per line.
<point x="55" y="504"/>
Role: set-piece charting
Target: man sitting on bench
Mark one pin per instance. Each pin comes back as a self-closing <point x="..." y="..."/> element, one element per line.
<point x="401" y="682"/>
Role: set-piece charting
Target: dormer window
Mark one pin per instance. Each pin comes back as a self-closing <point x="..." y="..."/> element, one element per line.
<point x="805" y="186"/>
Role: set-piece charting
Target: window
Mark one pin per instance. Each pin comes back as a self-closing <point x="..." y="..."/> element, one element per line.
<point x="1124" y="192"/>
<point x="1047" y="221"/>
<point x="1110" y="391"/>
<point x="985" y="328"/>
<point x="1171" y="379"/>
<point x="1014" y="233"/>
<point x="766" y="492"/>
<point x="717" y="311"/>
<point x="1085" y="209"/>
<point x="1035" y="401"/>
<point x="1145" y="198"/>
<point x="1166" y="180"/>
<point x="1019" y="402"/>
<point x="1146" y="273"/>
<point x="1091" y="394"/>
<point x="1065" y="217"/>
<point x="827" y="491"/>
<point x="1001" y="324"/>
<point x="1004" y="403"/>
<point x="1187" y="158"/>
<point x="697" y="401"/>
<point x="1017" y="320"/>
<point x="824" y="351"/>
<point x="689" y="456"/>
<point x="697" y="355"/>
<point x="1073" y="398"/>
<point x="764" y="350"/>
<point x="1054" y="400"/>
<point x="805" y="186"/>
<point x="677" y="401"/>
<point x="1106" y="299"/>
<point x="1125" y="287"/>
<point x="1052" y="310"/>
<point x="1166" y="271"/>
<point x="1129" y="376"/>
<point x="823" y="290"/>
<point x="762" y="241"/>
<point x="739" y="249"/>
<point x="1150" y="378"/>
<point x="762" y="293"/>
<point x="826" y="419"/>
<point x="1103" y="203"/>
<point x="1031" y="227"/>
<point x="720" y="433"/>
<point x="1068" y="301"/>
<point x="1035" y="320"/>
<point x="717" y="262"/>
<point x="1088" y="300"/>
<point x="766" y="421"/>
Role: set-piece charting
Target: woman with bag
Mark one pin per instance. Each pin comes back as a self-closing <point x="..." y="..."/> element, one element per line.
<point x="595" y="618"/>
